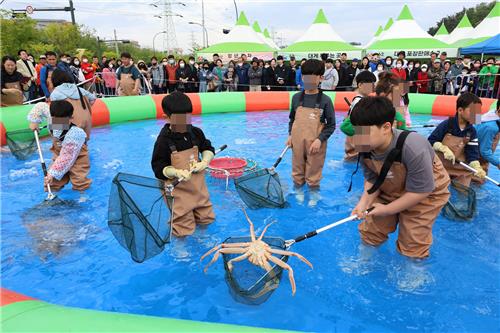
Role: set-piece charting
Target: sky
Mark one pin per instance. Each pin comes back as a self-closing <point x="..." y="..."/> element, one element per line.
<point x="353" y="20"/>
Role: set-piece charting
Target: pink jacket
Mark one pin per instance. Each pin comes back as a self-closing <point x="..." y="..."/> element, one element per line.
<point x="109" y="77"/>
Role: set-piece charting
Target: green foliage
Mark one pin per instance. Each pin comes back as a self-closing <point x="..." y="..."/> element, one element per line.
<point x="22" y="32"/>
<point x="476" y="15"/>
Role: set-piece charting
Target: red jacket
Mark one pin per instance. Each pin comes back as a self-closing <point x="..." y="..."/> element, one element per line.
<point x="422" y="82"/>
<point x="88" y="70"/>
<point x="171" y="73"/>
<point x="400" y="73"/>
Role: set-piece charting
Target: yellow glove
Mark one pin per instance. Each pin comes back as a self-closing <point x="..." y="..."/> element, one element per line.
<point x="479" y="170"/>
<point x="171" y="172"/>
<point x="206" y="157"/>
<point x="448" y="154"/>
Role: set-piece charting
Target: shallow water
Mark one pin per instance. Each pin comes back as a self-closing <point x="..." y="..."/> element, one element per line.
<point x="66" y="254"/>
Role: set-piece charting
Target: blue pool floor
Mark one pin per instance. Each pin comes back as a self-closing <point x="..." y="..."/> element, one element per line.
<point x="68" y="256"/>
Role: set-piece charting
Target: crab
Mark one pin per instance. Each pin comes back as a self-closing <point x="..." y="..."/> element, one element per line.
<point x="257" y="252"/>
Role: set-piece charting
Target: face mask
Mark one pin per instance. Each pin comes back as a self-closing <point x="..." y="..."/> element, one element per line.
<point x="110" y="65"/>
<point x="424" y="70"/>
<point x="266" y="66"/>
<point x="410" y="67"/>
<point x="77" y="63"/>
<point x="182" y="65"/>
<point x="191" y="62"/>
<point x="380" y="69"/>
<point x="398" y="66"/>
<point x="85" y="61"/>
<point x="388" y="62"/>
<point x="165" y="62"/>
<point x="171" y="61"/>
<point x="68" y="61"/>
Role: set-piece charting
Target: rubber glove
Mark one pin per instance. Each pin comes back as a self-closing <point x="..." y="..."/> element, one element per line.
<point x="206" y="157"/>
<point x="171" y="172"/>
<point x="448" y="154"/>
<point x="479" y="170"/>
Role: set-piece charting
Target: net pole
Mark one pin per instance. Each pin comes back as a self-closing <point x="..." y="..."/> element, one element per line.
<point x="471" y="169"/>
<point x="50" y="195"/>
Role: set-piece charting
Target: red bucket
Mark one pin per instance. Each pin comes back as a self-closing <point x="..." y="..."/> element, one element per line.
<point x="231" y="167"/>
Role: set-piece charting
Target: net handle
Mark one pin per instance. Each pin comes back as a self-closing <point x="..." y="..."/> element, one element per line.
<point x="468" y="167"/>
<point x="170" y="187"/>
<point x="278" y="161"/>
<point x="50" y="195"/>
<point x="325" y="228"/>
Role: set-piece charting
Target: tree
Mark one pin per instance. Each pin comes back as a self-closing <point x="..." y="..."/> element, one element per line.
<point x="475" y="14"/>
<point x="16" y="34"/>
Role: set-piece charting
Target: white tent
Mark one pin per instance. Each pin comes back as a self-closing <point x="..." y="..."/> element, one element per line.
<point x="321" y="38"/>
<point x="242" y="39"/>
<point x="375" y="37"/>
<point x="463" y="31"/>
<point x="489" y="27"/>
<point x="269" y="41"/>
<point x="442" y="33"/>
<point x="258" y="31"/>
<point x="406" y="35"/>
<point x="389" y="24"/>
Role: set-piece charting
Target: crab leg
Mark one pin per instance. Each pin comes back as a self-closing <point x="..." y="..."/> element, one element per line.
<point x="224" y="245"/>
<point x="284" y="266"/>
<point x="252" y="231"/>
<point x="264" y="231"/>
<point x="226" y="251"/>
<point x="240" y="258"/>
<point x="288" y="253"/>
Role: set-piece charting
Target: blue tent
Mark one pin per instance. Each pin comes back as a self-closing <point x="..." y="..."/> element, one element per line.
<point x="489" y="46"/>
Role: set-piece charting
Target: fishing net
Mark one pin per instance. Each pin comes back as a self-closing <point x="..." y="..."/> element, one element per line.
<point x="140" y="215"/>
<point x="225" y="168"/>
<point x="261" y="189"/>
<point x="462" y="203"/>
<point x="21" y="143"/>
<point x="248" y="283"/>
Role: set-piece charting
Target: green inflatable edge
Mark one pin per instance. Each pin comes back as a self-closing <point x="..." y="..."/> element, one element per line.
<point x="38" y="316"/>
<point x="421" y="103"/>
<point x="222" y="102"/>
<point x="129" y="108"/>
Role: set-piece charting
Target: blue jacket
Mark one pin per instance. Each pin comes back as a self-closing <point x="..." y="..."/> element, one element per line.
<point x="43" y="78"/>
<point x="471" y="149"/>
<point x="486" y="133"/>
<point x="298" y="78"/>
<point x="242" y="73"/>
<point x="68" y="90"/>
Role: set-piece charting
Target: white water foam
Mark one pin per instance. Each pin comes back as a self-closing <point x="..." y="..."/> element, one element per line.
<point x="245" y="141"/>
<point x="22" y="173"/>
<point x="114" y="164"/>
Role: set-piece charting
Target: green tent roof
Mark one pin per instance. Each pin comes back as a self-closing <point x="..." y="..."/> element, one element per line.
<point x="266" y="33"/>
<point x="320" y="17"/>
<point x="464" y="22"/>
<point x="256" y="27"/>
<point x="495" y="12"/>
<point x="405" y="14"/>
<point x="442" y="30"/>
<point x="242" y="20"/>
<point x="389" y="23"/>
<point x="379" y="31"/>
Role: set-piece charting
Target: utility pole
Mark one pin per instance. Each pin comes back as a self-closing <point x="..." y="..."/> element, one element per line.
<point x="72" y="9"/>
<point x="203" y="23"/>
<point x="169" y="39"/>
<point x="116" y="44"/>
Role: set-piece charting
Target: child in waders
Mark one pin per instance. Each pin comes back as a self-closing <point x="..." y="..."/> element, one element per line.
<point x="488" y="133"/>
<point x="312" y="122"/>
<point x="128" y="81"/>
<point x="366" y="85"/>
<point x="71" y="159"/>
<point x="455" y="140"/>
<point x="176" y="156"/>
<point x="405" y="182"/>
